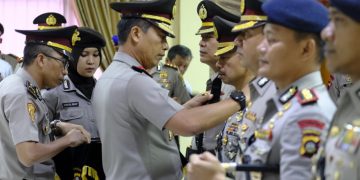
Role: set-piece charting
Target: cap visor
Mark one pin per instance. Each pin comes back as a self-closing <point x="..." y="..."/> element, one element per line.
<point x="247" y="25"/>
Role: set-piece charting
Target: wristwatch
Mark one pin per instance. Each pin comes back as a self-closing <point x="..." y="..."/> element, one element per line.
<point x="239" y="97"/>
<point x="54" y="128"/>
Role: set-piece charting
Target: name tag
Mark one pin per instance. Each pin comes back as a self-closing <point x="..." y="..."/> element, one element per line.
<point x="70" y="104"/>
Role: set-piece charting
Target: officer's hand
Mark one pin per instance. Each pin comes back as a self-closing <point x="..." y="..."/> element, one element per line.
<point x="67" y="127"/>
<point x="198" y="100"/>
<point x="205" y="166"/>
<point x="75" y="137"/>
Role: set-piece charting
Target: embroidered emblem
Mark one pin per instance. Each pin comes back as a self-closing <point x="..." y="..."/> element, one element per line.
<point x="75" y="37"/>
<point x="51" y="20"/>
<point x="31" y="110"/>
<point x="202" y="12"/>
<point x="311" y="132"/>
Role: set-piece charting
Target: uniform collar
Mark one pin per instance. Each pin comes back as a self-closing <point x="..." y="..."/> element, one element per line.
<point x="25" y="76"/>
<point x="259" y="85"/>
<point x="126" y="58"/>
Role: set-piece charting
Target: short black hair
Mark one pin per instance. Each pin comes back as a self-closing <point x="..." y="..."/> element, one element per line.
<point x="180" y="50"/>
<point x="318" y="42"/>
<point x="125" y="24"/>
<point x="32" y="50"/>
<point x="1" y="29"/>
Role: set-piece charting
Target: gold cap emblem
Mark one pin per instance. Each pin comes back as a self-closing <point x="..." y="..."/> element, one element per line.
<point x="202" y="12"/>
<point x="75" y="37"/>
<point x="51" y="20"/>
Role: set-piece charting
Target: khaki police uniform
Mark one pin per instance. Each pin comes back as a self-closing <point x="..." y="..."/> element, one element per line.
<point x="343" y="143"/>
<point x="338" y="85"/>
<point x="131" y="112"/>
<point x="23" y="118"/>
<point x="168" y="76"/>
<point x="291" y="132"/>
<point x="69" y="104"/>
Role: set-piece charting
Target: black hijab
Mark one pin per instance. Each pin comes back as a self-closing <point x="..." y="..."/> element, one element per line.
<point x="88" y="38"/>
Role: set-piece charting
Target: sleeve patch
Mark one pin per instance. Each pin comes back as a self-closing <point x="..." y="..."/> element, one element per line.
<point x="311" y="132"/>
<point x="31" y="110"/>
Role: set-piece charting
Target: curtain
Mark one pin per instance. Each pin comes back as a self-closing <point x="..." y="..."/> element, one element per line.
<point x="98" y="15"/>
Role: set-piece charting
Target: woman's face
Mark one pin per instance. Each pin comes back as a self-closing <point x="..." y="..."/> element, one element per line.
<point x="89" y="61"/>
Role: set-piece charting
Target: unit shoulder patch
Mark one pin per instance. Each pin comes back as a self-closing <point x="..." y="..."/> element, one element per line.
<point x="311" y="131"/>
<point x="307" y="96"/>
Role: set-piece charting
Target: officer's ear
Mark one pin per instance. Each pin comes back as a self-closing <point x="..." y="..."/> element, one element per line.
<point x="135" y="34"/>
<point x="40" y="60"/>
<point x="308" y="47"/>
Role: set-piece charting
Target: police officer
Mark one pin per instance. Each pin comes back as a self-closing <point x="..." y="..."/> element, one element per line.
<point x="169" y="77"/>
<point x="5" y="67"/>
<point x="342" y="37"/>
<point x="301" y="110"/>
<point x="133" y="112"/>
<point x="71" y="102"/>
<point x="25" y="148"/>
<point x="233" y="73"/>
<point x="250" y="30"/>
<point x="207" y="10"/>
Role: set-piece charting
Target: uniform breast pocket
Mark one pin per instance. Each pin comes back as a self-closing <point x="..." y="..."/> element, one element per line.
<point x="71" y="114"/>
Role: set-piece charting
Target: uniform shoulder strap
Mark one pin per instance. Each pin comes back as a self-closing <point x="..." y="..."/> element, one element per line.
<point x="306" y="96"/>
<point x="140" y="70"/>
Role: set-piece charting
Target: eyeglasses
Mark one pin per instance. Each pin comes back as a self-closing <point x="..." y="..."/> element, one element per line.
<point x="65" y="62"/>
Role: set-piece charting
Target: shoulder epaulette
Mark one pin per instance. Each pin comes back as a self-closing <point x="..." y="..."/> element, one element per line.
<point x="140" y="70"/>
<point x="171" y="66"/>
<point x="262" y="81"/>
<point x="66" y="84"/>
<point x="33" y="90"/>
<point x="307" y="96"/>
<point x="288" y="94"/>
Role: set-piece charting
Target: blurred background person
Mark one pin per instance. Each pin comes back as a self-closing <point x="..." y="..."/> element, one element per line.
<point x="5" y="67"/>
